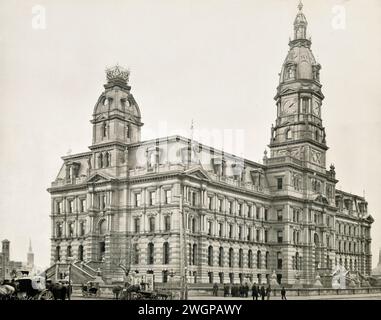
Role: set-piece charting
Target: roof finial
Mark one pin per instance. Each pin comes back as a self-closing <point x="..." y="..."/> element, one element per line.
<point x="300" y="6"/>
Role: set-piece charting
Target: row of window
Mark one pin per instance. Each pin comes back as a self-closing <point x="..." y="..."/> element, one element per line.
<point x="70" y="206"/>
<point x="70" y="229"/>
<point x="152" y="224"/>
<point x="69" y="253"/>
<point x="152" y="198"/>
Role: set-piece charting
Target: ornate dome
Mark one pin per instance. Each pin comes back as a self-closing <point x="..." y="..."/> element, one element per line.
<point x="300" y="64"/>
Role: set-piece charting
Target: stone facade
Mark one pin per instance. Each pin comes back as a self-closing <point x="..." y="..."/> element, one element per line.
<point x="171" y="204"/>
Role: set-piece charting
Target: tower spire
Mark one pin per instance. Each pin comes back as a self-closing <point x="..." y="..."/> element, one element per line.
<point x="30" y="245"/>
<point x="300" y="24"/>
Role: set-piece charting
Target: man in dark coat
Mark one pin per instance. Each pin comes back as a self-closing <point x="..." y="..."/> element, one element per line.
<point x="215" y="289"/>
<point x="246" y="290"/>
<point x="283" y="293"/>
<point x="254" y="291"/>
<point x="263" y="292"/>
<point x="268" y="292"/>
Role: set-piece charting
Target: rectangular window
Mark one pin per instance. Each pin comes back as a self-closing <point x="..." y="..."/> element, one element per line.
<point x="220" y="205"/>
<point x="194" y="197"/>
<point x="70" y="206"/>
<point x="59" y="207"/>
<point x="137" y="199"/>
<point x="280" y="236"/>
<point x="280" y="215"/>
<point x="152" y="197"/>
<point x="266" y="214"/>
<point x="240" y="232"/>
<point x="167" y="195"/>
<point x="249" y="208"/>
<point x="210" y="203"/>
<point x="257" y="235"/>
<point x="230" y="207"/>
<point x="230" y="231"/>
<point x="167" y="223"/>
<point x="210" y="226"/>
<point x="82" y="228"/>
<point x="220" y="229"/>
<point x="249" y="232"/>
<point x="279" y="260"/>
<point x="279" y="183"/>
<point x="152" y="224"/>
<point x="258" y="213"/>
<point x="137" y="225"/>
<point x="266" y="236"/>
<point x="82" y="205"/>
<point x="240" y="205"/>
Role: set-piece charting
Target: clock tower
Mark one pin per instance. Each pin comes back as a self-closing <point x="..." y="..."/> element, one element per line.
<point x="298" y="131"/>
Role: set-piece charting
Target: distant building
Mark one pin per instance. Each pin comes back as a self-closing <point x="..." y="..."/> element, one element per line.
<point x="7" y="267"/>
<point x="30" y="256"/>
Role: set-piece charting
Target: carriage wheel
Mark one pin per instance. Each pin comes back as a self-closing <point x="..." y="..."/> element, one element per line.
<point x="46" y="295"/>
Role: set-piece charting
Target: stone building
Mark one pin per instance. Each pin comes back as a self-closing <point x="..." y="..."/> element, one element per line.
<point x="172" y="204"/>
<point x="7" y="266"/>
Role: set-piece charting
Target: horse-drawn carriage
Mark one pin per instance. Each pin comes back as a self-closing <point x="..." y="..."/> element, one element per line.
<point x="26" y="288"/>
<point x="134" y="292"/>
<point x="91" y="289"/>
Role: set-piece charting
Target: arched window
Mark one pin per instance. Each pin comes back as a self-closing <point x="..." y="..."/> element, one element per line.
<point x="194" y="254"/>
<point x="194" y="225"/>
<point x="297" y="261"/>
<point x="231" y="257"/>
<point x="316" y="239"/>
<point x="250" y="259"/>
<point x="80" y="252"/>
<point x="210" y="256"/>
<point x="151" y="252"/>
<point x="68" y="251"/>
<point x="166" y="253"/>
<point x="107" y="159"/>
<point x="240" y="258"/>
<point x="221" y="257"/>
<point x="288" y="134"/>
<point x="259" y="264"/>
<point x="100" y="160"/>
<point x="102" y="227"/>
<point x="58" y="253"/>
<point x="104" y="130"/>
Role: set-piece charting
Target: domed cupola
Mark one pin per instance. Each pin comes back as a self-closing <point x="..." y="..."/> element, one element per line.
<point x="300" y="63"/>
<point x="116" y="114"/>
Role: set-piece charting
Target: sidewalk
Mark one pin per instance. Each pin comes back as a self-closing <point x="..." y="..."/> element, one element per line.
<point x="374" y="296"/>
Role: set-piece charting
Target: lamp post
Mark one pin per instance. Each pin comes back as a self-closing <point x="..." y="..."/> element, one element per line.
<point x="172" y="274"/>
<point x="70" y="261"/>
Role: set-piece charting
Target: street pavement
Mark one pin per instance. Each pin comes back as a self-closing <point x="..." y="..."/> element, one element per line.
<point x="375" y="296"/>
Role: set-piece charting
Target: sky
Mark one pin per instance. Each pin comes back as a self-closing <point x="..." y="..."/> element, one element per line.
<point x="213" y="61"/>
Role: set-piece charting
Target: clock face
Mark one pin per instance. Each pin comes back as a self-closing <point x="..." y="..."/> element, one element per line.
<point x="289" y="106"/>
<point x="316" y="109"/>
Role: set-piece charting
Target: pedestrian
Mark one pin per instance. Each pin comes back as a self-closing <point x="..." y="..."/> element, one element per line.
<point x="246" y="290"/>
<point x="263" y="292"/>
<point x="268" y="291"/>
<point x="215" y="289"/>
<point x="254" y="291"/>
<point x="283" y="293"/>
<point x="241" y="291"/>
